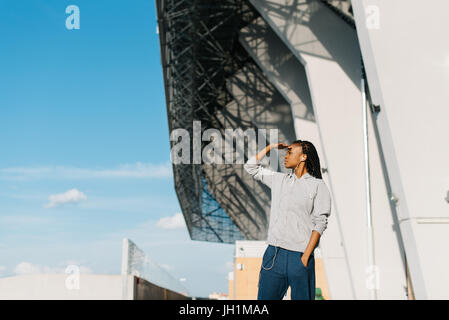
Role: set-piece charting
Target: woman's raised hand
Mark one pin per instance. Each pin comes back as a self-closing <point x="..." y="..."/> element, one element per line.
<point x="279" y="145"/>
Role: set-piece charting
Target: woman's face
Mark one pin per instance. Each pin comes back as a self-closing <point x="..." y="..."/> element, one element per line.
<point x="293" y="156"/>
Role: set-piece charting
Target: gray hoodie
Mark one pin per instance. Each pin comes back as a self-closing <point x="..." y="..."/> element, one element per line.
<point x="298" y="206"/>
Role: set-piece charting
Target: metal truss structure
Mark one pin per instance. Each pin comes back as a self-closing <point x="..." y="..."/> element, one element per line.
<point x="199" y="47"/>
<point x="209" y="78"/>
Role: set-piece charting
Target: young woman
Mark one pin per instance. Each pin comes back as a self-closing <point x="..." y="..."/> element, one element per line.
<point x="300" y="207"/>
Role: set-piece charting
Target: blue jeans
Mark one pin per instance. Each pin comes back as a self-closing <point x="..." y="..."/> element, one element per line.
<point x="282" y="268"/>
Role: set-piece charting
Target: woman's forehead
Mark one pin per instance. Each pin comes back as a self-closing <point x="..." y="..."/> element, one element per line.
<point x="293" y="145"/>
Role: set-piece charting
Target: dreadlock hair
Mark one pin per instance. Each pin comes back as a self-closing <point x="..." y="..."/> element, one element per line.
<point x="312" y="161"/>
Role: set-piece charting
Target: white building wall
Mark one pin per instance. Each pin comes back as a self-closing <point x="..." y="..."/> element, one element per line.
<point x="406" y="55"/>
<point x="63" y="287"/>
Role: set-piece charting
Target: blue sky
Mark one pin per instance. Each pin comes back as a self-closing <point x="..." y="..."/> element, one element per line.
<point x="84" y="110"/>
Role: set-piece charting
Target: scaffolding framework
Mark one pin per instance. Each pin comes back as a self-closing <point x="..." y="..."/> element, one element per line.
<point x="198" y="42"/>
<point x="210" y="78"/>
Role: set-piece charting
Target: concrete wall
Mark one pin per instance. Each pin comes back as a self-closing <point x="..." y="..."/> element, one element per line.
<point x="57" y="287"/>
<point x="406" y="55"/>
<point x="91" y="287"/>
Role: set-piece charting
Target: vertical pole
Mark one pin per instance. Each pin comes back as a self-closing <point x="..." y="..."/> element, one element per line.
<point x="372" y="270"/>
<point x="125" y="271"/>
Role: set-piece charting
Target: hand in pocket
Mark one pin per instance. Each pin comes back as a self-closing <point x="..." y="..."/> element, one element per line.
<point x="304" y="260"/>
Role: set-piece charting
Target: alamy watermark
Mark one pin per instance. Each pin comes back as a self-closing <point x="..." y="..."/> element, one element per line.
<point x="187" y="147"/>
<point x="372" y="280"/>
<point x="72" y="281"/>
<point x="73" y="20"/>
<point x="372" y="15"/>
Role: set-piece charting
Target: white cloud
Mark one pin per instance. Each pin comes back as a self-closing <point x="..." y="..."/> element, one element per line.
<point x="166" y="267"/>
<point x="29" y="268"/>
<point x="173" y="222"/>
<point x="26" y="268"/>
<point x="2" y="268"/>
<point x="137" y="170"/>
<point x="70" y="196"/>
